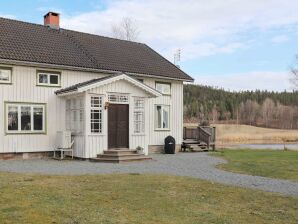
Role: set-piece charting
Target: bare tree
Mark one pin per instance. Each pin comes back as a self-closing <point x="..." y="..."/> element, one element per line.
<point x="251" y="109"/>
<point x="126" y="30"/>
<point x="268" y="109"/>
<point x="214" y="114"/>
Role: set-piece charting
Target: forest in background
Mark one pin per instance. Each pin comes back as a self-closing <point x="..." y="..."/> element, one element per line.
<point x="258" y="108"/>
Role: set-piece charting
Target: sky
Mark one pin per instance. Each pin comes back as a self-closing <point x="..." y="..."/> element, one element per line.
<point x="231" y="44"/>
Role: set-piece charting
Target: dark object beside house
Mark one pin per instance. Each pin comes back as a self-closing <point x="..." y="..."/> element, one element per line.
<point x="202" y="137"/>
<point x="170" y="145"/>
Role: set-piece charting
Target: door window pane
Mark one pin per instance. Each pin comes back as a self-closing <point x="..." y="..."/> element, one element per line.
<point x="12" y="121"/>
<point x="38" y="118"/>
<point x="25" y="118"/>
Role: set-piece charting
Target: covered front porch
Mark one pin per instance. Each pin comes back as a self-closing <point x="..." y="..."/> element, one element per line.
<point x="108" y="113"/>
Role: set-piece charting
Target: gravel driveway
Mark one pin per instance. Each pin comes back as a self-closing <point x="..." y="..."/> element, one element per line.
<point x="198" y="165"/>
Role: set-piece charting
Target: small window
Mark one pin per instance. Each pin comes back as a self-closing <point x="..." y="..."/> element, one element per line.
<point x="162" y="117"/>
<point x="139" y="115"/>
<point x="5" y="75"/>
<point x="48" y="78"/>
<point x="25" y="118"/>
<point x="96" y="115"/>
<point x="118" y="98"/>
<point x="164" y="88"/>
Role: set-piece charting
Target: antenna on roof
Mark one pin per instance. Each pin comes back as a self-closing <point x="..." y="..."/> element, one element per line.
<point x="177" y="57"/>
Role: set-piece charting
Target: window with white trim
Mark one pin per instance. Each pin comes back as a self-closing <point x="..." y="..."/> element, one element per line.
<point x="25" y="118"/>
<point x="96" y="115"/>
<point x="139" y="115"/>
<point x="74" y="115"/>
<point x="5" y="75"/>
<point x="118" y="98"/>
<point x="48" y="78"/>
<point x="162" y="117"/>
<point x="164" y="88"/>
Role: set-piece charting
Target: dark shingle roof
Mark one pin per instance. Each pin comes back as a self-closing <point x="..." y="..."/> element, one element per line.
<point x="36" y="43"/>
<point x="92" y="81"/>
<point x="78" y="85"/>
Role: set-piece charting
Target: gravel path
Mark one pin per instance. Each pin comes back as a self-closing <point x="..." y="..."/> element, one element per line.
<point x="198" y="165"/>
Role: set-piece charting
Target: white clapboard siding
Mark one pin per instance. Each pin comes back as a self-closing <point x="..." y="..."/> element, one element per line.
<point x="175" y="100"/>
<point x="24" y="89"/>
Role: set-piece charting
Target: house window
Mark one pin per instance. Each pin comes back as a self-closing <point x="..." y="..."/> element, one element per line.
<point x="25" y="118"/>
<point x="139" y="115"/>
<point x="48" y="78"/>
<point x="74" y="115"/>
<point x="162" y="117"/>
<point x="118" y="98"/>
<point x="164" y="88"/>
<point x="5" y="75"/>
<point x="96" y="114"/>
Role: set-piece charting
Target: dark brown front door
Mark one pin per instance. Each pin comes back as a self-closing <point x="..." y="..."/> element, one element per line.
<point x="118" y="124"/>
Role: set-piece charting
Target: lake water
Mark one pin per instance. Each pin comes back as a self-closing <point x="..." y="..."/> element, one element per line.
<point x="291" y="146"/>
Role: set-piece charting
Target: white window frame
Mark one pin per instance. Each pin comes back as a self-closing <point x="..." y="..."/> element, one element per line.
<point x="100" y="108"/>
<point x="32" y="106"/>
<point x="49" y="74"/>
<point x="162" y="87"/>
<point x="118" y="98"/>
<point x="162" y="117"/>
<point x="74" y="114"/>
<point x="9" y="81"/>
<point x="139" y="109"/>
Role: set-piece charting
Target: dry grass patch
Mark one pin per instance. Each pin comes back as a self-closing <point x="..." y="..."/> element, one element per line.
<point x="232" y="133"/>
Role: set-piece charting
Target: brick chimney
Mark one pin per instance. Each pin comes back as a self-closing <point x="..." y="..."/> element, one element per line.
<point x="51" y="19"/>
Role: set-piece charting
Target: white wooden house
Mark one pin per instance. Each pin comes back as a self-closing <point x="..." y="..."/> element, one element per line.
<point x="109" y="93"/>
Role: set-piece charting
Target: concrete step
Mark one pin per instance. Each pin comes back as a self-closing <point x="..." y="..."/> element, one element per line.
<point x="120" y="159"/>
<point x="120" y="152"/>
<point x="113" y="155"/>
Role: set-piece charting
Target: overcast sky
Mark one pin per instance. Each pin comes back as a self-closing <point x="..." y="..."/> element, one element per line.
<point x="235" y="44"/>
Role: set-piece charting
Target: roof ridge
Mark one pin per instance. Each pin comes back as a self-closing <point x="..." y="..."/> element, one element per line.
<point x="82" y="49"/>
<point x="20" y="21"/>
<point x="76" y="31"/>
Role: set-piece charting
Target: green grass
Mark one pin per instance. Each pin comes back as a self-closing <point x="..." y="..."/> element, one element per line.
<point x="266" y="163"/>
<point x="136" y="199"/>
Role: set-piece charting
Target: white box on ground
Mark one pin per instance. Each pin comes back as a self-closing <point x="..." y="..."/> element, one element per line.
<point x="64" y="139"/>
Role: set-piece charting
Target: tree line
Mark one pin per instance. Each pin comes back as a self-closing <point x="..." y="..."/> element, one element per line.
<point x="259" y="108"/>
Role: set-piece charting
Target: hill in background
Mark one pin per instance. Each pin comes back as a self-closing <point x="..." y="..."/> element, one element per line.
<point x="258" y="108"/>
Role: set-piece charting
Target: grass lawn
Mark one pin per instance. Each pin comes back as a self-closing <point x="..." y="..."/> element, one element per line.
<point x="131" y="198"/>
<point x="266" y="163"/>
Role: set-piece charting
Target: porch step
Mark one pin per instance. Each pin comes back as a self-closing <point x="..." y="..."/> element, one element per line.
<point x="119" y="156"/>
<point x="113" y="155"/>
<point x="120" y="159"/>
<point x="120" y="152"/>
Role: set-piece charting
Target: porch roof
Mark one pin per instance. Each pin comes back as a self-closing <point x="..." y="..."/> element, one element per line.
<point x="93" y="83"/>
